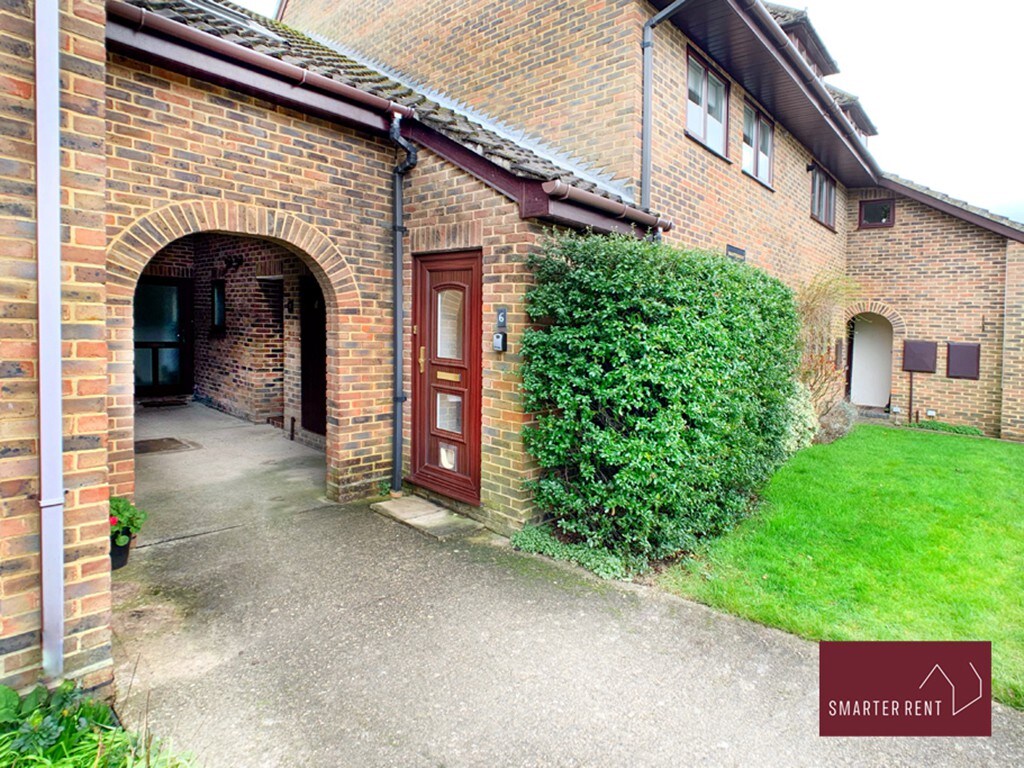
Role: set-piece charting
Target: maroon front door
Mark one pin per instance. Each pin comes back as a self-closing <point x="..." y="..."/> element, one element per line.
<point x="446" y="372"/>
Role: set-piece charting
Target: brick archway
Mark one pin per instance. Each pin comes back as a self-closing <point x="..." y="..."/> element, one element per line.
<point x="899" y="325"/>
<point x="133" y="248"/>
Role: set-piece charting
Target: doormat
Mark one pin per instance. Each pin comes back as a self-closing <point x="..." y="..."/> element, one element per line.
<point x="164" y="445"/>
<point x="163" y="402"/>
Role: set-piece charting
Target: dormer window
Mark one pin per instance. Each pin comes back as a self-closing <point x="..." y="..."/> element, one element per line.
<point x="758" y="137"/>
<point x="707" y="106"/>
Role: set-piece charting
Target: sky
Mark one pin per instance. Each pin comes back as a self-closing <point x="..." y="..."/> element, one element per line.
<point x="940" y="79"/>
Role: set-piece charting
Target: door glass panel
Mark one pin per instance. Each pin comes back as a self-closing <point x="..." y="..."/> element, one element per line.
<point x="449" y="324"/>
<point x="448" y="456"/>
<point x="144" y="367"/>
<point x="170" y="366"/>
<point x="156" y="313"/>
<point x="449" y="412"/>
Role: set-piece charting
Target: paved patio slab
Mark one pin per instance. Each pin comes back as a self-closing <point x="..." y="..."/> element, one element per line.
<point x="288" y="631"/>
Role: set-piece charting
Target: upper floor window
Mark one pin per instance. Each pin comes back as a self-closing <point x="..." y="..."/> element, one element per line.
<point x="758" y="137"/>
<point x="707" y="105"/>
<point x="823" y="197"/>
<point x="877" y="213"/>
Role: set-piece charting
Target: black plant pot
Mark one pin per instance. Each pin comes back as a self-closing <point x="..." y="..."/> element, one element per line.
<point x="119" y="554"/>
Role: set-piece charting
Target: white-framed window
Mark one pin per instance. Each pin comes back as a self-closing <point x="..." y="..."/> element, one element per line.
<point x="707" y="106"/>
<point x="823" y="197"/>
<point x="758" y="144"/>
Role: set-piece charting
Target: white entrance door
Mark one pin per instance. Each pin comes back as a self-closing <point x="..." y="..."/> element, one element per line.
<point x="871" y="363"/>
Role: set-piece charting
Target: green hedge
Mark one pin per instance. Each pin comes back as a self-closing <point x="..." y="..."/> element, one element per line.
<point x="661" y="380"/>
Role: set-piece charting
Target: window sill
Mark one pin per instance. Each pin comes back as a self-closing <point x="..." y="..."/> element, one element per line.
<point x="825" y="224"/>
<point x="764" y="184"/>
<point x="708" y="147"/>
<point x="862" y="225"/>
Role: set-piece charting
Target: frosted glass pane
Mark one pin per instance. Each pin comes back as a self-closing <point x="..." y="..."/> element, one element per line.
<point x="448" y="456"/>
<point x="764" y="167"/>
<point x="144" y="367"/>
<point x="716" y="135"/>
<point x="156" y="313"/>
<point x="694" y="119"/>
<point x="748" y="158"/>
<point x="449" y="324"/>
<point x="449" y="412"/>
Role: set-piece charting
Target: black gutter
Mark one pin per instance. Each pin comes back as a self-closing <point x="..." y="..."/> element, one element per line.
<point x="397" y="270"/>
<point x="647" y="46"/>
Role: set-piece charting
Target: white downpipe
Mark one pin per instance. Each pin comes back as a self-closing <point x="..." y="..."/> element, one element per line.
<point x="51" y="446"/>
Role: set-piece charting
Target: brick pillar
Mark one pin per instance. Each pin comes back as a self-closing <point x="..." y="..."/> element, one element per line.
<point x="83" y="249"/>
<point x="1012" y="425"/>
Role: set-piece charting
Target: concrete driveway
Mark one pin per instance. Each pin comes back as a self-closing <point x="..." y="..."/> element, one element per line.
<point x="262" y="626"/>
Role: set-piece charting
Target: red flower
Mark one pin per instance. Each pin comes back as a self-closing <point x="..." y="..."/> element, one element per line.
<point x="113" y="520"/>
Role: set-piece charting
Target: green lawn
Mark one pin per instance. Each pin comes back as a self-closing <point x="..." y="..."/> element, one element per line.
<point x="887" y="534"/>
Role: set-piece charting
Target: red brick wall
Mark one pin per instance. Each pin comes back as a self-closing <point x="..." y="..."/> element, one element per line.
<point x="566" y="73"/>
<point x="87" y="599"/>
<point x="448" y="211"/>
<point x="711" y="200"/>
<point x="1012" y="411"/>
<point x="240" y="369"/>
<point x="572" y="76"/>
<point x="187" y="157"/>
<point x="945" y="278"/>
<point x="294" y="272"/>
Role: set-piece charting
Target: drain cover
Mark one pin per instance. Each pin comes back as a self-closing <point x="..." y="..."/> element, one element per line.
<point x="163" y="445"/>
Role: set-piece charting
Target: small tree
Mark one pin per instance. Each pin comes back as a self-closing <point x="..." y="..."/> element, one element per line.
<point x="662" y="383"/>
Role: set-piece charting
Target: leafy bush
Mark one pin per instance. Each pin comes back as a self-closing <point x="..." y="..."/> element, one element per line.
<point x="661" y="380"/>
<point x="541" y="540"/>
<point x="942" y="426"/>
<point x="125" y="520"/>
<point x="804" y="424"/>
<point x="837" y="422"/>
<point x="820" y="303"/>
<point x="66" y="729"/>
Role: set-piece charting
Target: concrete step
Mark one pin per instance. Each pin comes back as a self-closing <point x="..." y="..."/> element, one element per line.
<point x="426" y="517"/>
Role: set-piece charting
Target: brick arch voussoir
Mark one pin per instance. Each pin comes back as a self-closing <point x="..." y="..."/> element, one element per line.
<point x="140" y="241"/>
<point x="899" y="325"/>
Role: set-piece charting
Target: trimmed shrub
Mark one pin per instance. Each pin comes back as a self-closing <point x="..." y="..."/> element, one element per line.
<point x="837" y="422"/>
<point x="662" y="381"/>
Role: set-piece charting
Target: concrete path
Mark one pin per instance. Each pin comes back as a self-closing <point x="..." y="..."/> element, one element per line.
<point x="286" y="631"/>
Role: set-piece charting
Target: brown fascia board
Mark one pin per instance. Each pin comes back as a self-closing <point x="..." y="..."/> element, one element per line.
<point x="553" y="201"/>
<point x="181" y="48"/>
<point x="953" y="210"/>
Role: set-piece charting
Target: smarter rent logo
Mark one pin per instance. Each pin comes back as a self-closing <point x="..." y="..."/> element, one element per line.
<point x="905" y="689"/>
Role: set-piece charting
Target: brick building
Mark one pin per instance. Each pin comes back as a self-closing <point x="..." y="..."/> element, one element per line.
<point x="198" y="202"/>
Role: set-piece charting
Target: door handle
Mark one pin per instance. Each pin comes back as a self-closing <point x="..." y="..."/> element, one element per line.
<point x="423" y="358"/>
